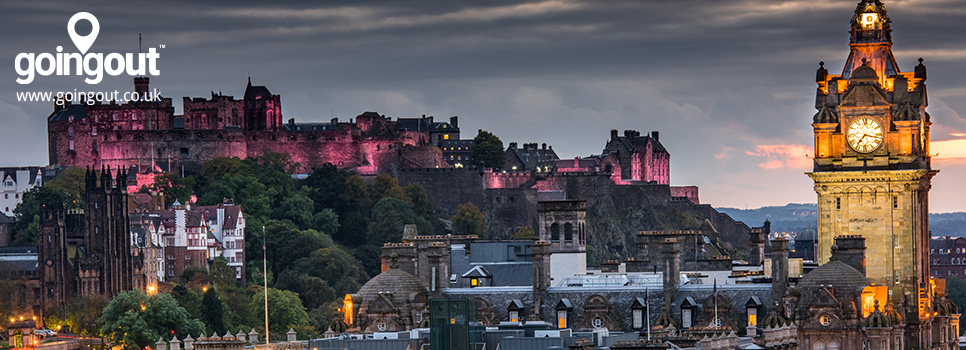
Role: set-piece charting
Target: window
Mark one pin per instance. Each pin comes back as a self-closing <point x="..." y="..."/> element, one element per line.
<point x="568" y="232"/>
<point x="597" y="322"/>
<point x="752" y="317"/>
<point x="637" y="319"/>
<point x="514" y="316"/>
<point x="474" y="282"/>
<point x="838" y="203"/>
<point x="561" y="319"/>
<point x="686" y="318"/>
<point x="895" y="202"/>
<point x="554" y="232"/>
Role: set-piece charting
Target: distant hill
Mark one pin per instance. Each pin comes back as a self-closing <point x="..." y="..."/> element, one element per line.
<point x="796" y="216"/>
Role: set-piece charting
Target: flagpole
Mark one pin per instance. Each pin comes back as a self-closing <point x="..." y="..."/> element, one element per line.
<point x="265" y="279"/>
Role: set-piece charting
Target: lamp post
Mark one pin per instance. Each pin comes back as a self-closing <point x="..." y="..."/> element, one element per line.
<point x="265" y="280"/>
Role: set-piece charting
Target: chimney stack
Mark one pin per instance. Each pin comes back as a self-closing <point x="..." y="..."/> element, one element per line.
<point x="541" y="276"/>
<point x="613" y="134"/>
<point x="141" y="85"/>
<point x="671" y="254"/>
<point x="852" y="251"/>
<point x="779" y="268"/>
<point x="454" y="121"/>
<point x="656" y="136"/>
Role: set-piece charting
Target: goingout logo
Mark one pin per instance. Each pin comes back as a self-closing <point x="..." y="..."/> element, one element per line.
<point x="94" y="65"/>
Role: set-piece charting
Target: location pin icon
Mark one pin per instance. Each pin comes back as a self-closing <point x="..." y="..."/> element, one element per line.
<point x="83" y="42"/>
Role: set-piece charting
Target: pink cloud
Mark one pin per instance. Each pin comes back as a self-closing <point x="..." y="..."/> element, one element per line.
<point x="783" y="156"/>
<point x="949" y="151"/>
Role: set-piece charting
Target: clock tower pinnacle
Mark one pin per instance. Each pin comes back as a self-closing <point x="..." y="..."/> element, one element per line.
<point x="872" y="169"/>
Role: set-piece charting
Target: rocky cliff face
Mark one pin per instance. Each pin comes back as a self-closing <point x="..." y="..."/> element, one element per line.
<point x="615" y="213"/>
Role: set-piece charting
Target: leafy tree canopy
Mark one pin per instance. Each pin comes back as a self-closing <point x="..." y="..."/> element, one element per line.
<point x="134" y="319"/>
<point x="488" y="149"/>
<point x="469" y="220"/>
<point x="389" y="217"/>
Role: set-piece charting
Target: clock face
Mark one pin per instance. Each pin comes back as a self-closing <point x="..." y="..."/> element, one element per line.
<point x="865" y="135"/>
<point x="868" y="19"/>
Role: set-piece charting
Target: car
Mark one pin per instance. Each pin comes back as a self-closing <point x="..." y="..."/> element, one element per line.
<point x="45" y="332"/>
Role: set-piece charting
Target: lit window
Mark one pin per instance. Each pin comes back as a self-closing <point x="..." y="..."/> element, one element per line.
<point x="752" y="317"/>
<point x="561" y="318"/>
<point x="514" y="316"/>
<point x="474" y="282"/>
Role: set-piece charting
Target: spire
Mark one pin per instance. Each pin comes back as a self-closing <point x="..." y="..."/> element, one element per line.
<point x="871" y="39"/>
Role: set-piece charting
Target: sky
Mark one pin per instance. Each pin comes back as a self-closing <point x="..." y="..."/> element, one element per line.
<point x="729" y="84"/>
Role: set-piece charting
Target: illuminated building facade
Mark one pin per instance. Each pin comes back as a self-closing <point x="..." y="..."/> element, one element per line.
<point x="872" y="174"/>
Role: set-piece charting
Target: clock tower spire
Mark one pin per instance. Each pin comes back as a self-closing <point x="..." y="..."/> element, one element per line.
<point x="872" y="169"/>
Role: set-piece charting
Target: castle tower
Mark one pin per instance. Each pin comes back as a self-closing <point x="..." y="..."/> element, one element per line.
<point x="561" y="224"/>
<point x="872" y="169"/>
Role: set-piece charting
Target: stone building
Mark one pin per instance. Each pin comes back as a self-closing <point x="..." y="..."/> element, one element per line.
<point x="121" y="135"/>
<point x="947" y="257"/>
<point x="87" y="252"/>
<point x="530" y="157"/>
<point x="641" y="158"/>
<point x="872" y="168"/>
<point x="196" y="235"/>
<point x="14" y="182"/>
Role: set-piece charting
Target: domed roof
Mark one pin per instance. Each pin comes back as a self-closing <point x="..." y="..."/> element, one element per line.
<point x="844" y="279"/>
<point x="864" y="73"/>
<point x="806" y="234"/>
<point x="395" y="281"/>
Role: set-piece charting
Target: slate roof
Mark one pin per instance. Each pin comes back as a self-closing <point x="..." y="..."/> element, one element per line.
<point x="255" y="92"/>
<point x="395" y="281"/>
<point x="12" y="173"/>
<point x="844" y="279"/>
<point x="65" y="114"/>
<point x="4" y="219"/>
<point x="18" y="259"/>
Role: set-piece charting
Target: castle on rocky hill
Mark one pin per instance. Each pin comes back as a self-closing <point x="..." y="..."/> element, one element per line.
<point x="121" y="135"/>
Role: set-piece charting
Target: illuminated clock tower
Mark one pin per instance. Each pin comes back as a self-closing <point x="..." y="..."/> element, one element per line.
<point x="872" y="167"/>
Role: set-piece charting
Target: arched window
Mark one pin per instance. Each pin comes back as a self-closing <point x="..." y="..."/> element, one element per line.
<point x="818" y="345"/>
<point x="568" y="232"/>
<point x="555" y="232"/>
<point x="833" y="345"/>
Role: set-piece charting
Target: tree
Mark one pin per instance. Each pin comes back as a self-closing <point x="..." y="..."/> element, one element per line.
<point x="218" y="167"/>
<point x="354" y="211"/>
<point x="389" y="217"/>
<point x="327" y="183"/>
<point x="488" y="149"/>
<point x="82" y="318"/>
<point x="222" y="275"/>
<point x="525" y="232"/>
<point x="134" y="319"/>
<point x="187" y="299"/>
<point x="212" y="312"/>
<point x="28" y="212"/>
<point x="297" y="208"/>
<point x="285" y="310"/>
<point x="174" y="187"/>
<point x="468" y="220"/>
<point x="369" y="256"/>
<point x="72" y="183"/>
<point x="956" y="289"/>
<point x="422" y="205"/>
<point x="326" y="221"/>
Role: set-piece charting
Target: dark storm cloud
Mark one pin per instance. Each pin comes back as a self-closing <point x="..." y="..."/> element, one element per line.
<point x="719" y="79"/>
